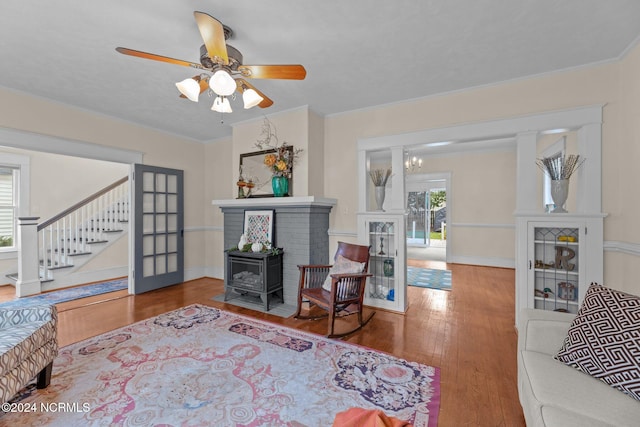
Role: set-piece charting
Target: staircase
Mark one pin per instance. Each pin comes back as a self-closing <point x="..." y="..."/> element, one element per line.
<point x="79" y="233"/>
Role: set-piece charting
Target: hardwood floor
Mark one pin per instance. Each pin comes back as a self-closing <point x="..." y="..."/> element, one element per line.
<point x="468" y="332"/>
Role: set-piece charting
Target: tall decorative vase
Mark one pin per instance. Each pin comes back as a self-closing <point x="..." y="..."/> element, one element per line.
<point x="559" y="194"/>
<point x="380" y="197"/>
<point x="280" y="186"/>
<point x="387" y="267"/>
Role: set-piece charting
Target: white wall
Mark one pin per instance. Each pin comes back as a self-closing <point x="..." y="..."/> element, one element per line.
<point x="621" y="157"/>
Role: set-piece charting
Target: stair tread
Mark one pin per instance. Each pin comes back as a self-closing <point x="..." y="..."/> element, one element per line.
<point x="14" y="276"/>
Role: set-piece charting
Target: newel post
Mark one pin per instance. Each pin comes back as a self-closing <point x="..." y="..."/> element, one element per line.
<point x="28" y="259"/>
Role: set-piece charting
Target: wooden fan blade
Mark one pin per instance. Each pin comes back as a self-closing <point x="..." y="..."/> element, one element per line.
<point x="160" y="58"/>
<point x="244" y="85"/>
<point x="212" y="33"/>
<point x="291" y="72"/>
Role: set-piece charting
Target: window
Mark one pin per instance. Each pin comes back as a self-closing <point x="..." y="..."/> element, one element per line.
<point x="9" y="185"/>
<point x="14" y="199"/>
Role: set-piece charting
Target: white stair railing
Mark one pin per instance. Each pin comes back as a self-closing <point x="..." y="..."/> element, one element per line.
<point x="73" y="231"/>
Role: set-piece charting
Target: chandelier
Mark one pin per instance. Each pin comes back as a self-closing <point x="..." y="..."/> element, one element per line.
<point x="413" y="163"/>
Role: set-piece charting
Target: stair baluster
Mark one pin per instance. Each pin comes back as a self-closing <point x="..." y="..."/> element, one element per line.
<point x="72" y="232"/>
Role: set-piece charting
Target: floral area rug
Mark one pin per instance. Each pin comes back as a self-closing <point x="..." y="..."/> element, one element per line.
<point x="200" y="366"/>
<point x="69" y="294"/>
<point x="429" y="278"/>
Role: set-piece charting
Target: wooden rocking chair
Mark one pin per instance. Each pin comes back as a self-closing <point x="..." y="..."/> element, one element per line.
<point x="348" y="277"/>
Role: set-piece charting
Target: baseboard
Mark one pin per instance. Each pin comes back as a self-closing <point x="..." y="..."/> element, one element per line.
<point x="84" y="277"/>
<point x="215" y="272"/>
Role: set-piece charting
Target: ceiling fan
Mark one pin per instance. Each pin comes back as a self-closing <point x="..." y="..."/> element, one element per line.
<point x="224" y="62"/>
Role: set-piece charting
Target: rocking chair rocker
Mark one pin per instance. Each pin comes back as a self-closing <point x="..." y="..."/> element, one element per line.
<point x="337" y="289"/>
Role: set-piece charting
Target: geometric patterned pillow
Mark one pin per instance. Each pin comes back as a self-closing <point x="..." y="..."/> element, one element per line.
<point x="604" y="339"/>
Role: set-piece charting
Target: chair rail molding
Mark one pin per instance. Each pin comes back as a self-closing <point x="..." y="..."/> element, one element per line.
<point x="623" y="247"/>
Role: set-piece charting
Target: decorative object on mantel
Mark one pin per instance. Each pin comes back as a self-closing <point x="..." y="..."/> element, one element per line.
<point x="380" y="178"/>
<point x="258" y="226"/>
<point x="281" y="161"/>
<point x="242" y="184"/>
<point x="560" y="168"/>
<point x="243" y="241"/>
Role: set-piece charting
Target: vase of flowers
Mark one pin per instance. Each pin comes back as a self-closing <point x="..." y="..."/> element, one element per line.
<point x="379" y="177"/>
<point x="280" y="186"/>
<point x="560" y="168"/>
<point x="279" y="159"/>
<point x="280" y="164"/>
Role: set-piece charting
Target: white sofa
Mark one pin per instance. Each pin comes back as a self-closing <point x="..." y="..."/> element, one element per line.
<point x="554" y="394"/>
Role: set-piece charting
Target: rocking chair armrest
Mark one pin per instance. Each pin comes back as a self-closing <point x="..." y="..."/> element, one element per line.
<point x="339" y="276"/>
<point x="313" y="266"/>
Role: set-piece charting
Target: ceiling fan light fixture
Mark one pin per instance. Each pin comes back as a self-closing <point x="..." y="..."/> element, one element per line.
<point x="222" y="105"/>
<point x="189" y="88"/>
<point x="251" y="98"/>
<point x="222" y="83"/>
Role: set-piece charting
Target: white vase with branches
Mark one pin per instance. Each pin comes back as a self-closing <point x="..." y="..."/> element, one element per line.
<point x="560" y="169"/>
<point x="379" y="177"/>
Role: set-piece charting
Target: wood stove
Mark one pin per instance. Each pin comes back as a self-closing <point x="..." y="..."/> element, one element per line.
<point x="253" y="274"/>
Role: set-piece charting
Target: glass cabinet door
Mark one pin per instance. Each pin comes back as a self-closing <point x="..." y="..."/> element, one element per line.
<point x="382" y="261"/>
<point x="556" y="268"/>
<point x="386" y="287"/>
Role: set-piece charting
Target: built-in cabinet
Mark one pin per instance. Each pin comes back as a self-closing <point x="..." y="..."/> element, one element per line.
<point x="383" y="230"/>
<point x="384" y="233"/>
<point x="558" y="257"/>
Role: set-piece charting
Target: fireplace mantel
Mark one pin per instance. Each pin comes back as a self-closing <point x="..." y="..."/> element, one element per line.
<point x="262" y="202"/>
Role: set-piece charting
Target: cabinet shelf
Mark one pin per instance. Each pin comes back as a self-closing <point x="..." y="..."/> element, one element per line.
<point x="558" y="301"/>
<point x="378" y="256"/>
<point x="556" y="272"/>
<point x="556" y="243"/>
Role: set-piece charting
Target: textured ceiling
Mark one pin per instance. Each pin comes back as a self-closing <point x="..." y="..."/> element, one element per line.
<point x="358" y="53"/>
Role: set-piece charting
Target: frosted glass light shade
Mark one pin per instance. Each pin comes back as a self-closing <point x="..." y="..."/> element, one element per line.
<point x="251" y="98"/>
<point x="221" y="105"/>
<point x="222" y="83"/>
<point x="189" y="88"/>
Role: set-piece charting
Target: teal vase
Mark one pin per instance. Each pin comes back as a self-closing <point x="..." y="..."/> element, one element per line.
<point x="388" y="267"/>
<point x="280" y="185"/>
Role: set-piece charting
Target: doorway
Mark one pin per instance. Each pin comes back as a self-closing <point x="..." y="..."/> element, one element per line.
<point x="426" y="217"/>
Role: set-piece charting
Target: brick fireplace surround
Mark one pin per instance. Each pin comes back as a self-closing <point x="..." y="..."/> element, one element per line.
<point x="301" y="226"/>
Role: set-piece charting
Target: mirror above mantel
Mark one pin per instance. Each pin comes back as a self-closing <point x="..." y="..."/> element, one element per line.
<point x="252" y="168"/>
